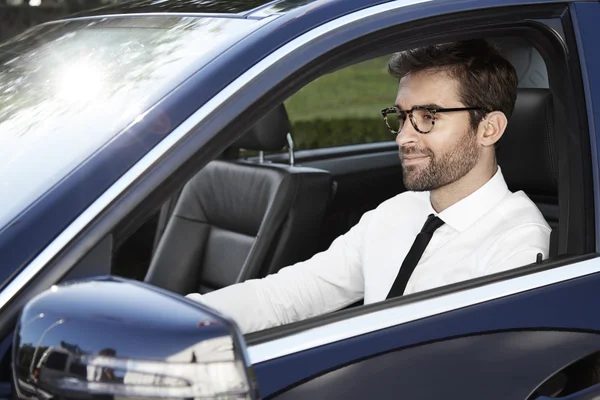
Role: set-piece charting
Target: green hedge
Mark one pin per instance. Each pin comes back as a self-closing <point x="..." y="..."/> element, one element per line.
<point x="319" y="133"/>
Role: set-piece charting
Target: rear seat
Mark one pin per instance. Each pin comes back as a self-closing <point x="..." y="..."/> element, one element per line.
<point x="527" y="154"/>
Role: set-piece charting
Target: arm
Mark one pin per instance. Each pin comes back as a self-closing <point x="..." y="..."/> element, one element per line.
<point x="327" y="282"/>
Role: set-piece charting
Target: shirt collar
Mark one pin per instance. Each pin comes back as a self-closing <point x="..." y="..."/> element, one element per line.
<point x="466" y="212"/>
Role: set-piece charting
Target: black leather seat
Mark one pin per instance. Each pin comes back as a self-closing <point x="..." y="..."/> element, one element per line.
<point x="527" y="154"/>
<point x="237" y="220"/>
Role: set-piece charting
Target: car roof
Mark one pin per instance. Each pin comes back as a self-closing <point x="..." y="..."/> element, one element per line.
<point x="254" y="9"/>
<point x="237" y="7"/>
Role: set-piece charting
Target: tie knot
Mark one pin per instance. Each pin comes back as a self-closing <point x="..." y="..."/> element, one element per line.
<point x="432" y="224"/>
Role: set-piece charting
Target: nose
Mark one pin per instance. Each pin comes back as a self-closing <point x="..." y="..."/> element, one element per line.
<point x="407" y="135"/>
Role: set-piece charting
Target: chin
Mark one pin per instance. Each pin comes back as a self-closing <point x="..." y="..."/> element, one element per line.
<point x="419" y="181"/>
<point x="414" y="185"/>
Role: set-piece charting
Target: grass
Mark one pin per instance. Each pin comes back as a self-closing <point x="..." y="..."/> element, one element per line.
<point x="359" y="91"/>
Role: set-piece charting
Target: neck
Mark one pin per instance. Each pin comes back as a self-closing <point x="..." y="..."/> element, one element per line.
<point x="454" y="192"/>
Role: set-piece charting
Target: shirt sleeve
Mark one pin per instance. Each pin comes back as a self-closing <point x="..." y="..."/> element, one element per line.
<point x="328" y="281"/>
<point x="518" y="248"/>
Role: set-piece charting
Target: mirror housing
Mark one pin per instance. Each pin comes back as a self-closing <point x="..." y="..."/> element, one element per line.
<point x="109" y="336"/>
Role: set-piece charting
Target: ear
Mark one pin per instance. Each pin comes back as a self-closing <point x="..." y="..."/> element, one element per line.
<point x="491" y="128"/>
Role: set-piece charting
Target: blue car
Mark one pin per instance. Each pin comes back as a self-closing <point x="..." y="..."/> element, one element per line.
<point x="159" y="147"/>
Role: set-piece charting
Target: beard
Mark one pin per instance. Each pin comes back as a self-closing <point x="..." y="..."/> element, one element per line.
<point x="443" y="169"/>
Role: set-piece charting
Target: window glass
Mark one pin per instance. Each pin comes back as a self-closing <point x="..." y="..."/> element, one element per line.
<point x="67" y="89"/>
<point x="343" y="107"/>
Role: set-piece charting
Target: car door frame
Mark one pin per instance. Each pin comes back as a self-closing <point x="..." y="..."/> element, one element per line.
<point x="590" y="233"/>
<point x="275" y="346"/>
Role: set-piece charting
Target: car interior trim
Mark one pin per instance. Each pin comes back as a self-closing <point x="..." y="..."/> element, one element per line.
<point x="404" y="313"/>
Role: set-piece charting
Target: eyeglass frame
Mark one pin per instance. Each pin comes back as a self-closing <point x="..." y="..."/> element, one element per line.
<point x="432" y="110"/>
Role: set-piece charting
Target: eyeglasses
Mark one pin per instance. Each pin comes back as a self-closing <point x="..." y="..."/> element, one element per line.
<point x="421" y="118"/>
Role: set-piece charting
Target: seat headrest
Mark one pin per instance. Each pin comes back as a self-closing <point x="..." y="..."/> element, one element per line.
<point x="268" y="134"/>
<point x="527" y="152"/>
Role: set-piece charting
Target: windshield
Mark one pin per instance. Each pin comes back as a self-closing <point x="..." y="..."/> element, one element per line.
<point x="68" y="88"/>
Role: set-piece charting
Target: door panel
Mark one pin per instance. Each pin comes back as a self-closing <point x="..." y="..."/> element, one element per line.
<point x="563" y="306"/>
<point x="503" y="365"/>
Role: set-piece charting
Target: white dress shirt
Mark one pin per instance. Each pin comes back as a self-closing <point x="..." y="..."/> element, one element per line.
<point x="489" y="231"/>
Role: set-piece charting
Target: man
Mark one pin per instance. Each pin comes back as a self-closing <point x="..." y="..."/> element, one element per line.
<point x="457" y="221"/>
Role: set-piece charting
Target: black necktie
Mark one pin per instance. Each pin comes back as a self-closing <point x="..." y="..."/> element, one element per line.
<point x="414" y="255"/>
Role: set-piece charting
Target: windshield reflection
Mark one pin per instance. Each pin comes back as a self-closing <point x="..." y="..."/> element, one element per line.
<point x="66" y="89"/>
<point x="204" y="6"/>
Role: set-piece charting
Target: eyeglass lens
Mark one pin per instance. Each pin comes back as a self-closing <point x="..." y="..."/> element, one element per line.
<point x="422" y="118"/>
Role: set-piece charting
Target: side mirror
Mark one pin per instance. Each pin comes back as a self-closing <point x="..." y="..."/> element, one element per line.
<point x="113" y="337"/>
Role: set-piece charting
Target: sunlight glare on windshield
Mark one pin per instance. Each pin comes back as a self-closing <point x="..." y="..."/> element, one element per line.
<point x="69" y="88"/>
<point x="80" y="81"/>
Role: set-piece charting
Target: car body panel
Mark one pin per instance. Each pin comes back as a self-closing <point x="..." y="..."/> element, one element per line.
<point x="585" y="15"/>
<point x="244" y="8"/>
<point x="559" y="306"/>
<point x="557" y="312"/>
<point x="460" y="367"/>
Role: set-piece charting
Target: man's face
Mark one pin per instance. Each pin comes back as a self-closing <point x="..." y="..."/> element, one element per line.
<point x="446" y="154"/>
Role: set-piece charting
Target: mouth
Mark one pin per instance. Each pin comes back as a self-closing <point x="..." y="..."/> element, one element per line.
<point x="412" y="160"/>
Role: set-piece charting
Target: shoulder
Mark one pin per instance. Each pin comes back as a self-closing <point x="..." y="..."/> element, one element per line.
<point x="517" y="209"/>
<point x="518" y="224"/>
<point x="518" y="233"/>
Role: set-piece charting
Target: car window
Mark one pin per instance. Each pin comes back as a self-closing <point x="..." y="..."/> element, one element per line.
<point x="69" y="88"/>
<point x="338" y="109"/>
<point x="343" y="107"/>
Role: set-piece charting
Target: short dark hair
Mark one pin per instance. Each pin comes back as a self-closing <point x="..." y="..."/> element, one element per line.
<point x="486" y="79"/>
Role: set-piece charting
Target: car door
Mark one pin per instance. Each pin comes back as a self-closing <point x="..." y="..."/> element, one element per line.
<point x="528" y="334"/>
<point x="500" y="341"/>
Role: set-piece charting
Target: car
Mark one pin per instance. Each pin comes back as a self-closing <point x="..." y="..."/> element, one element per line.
<point x="157" y="148"/>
